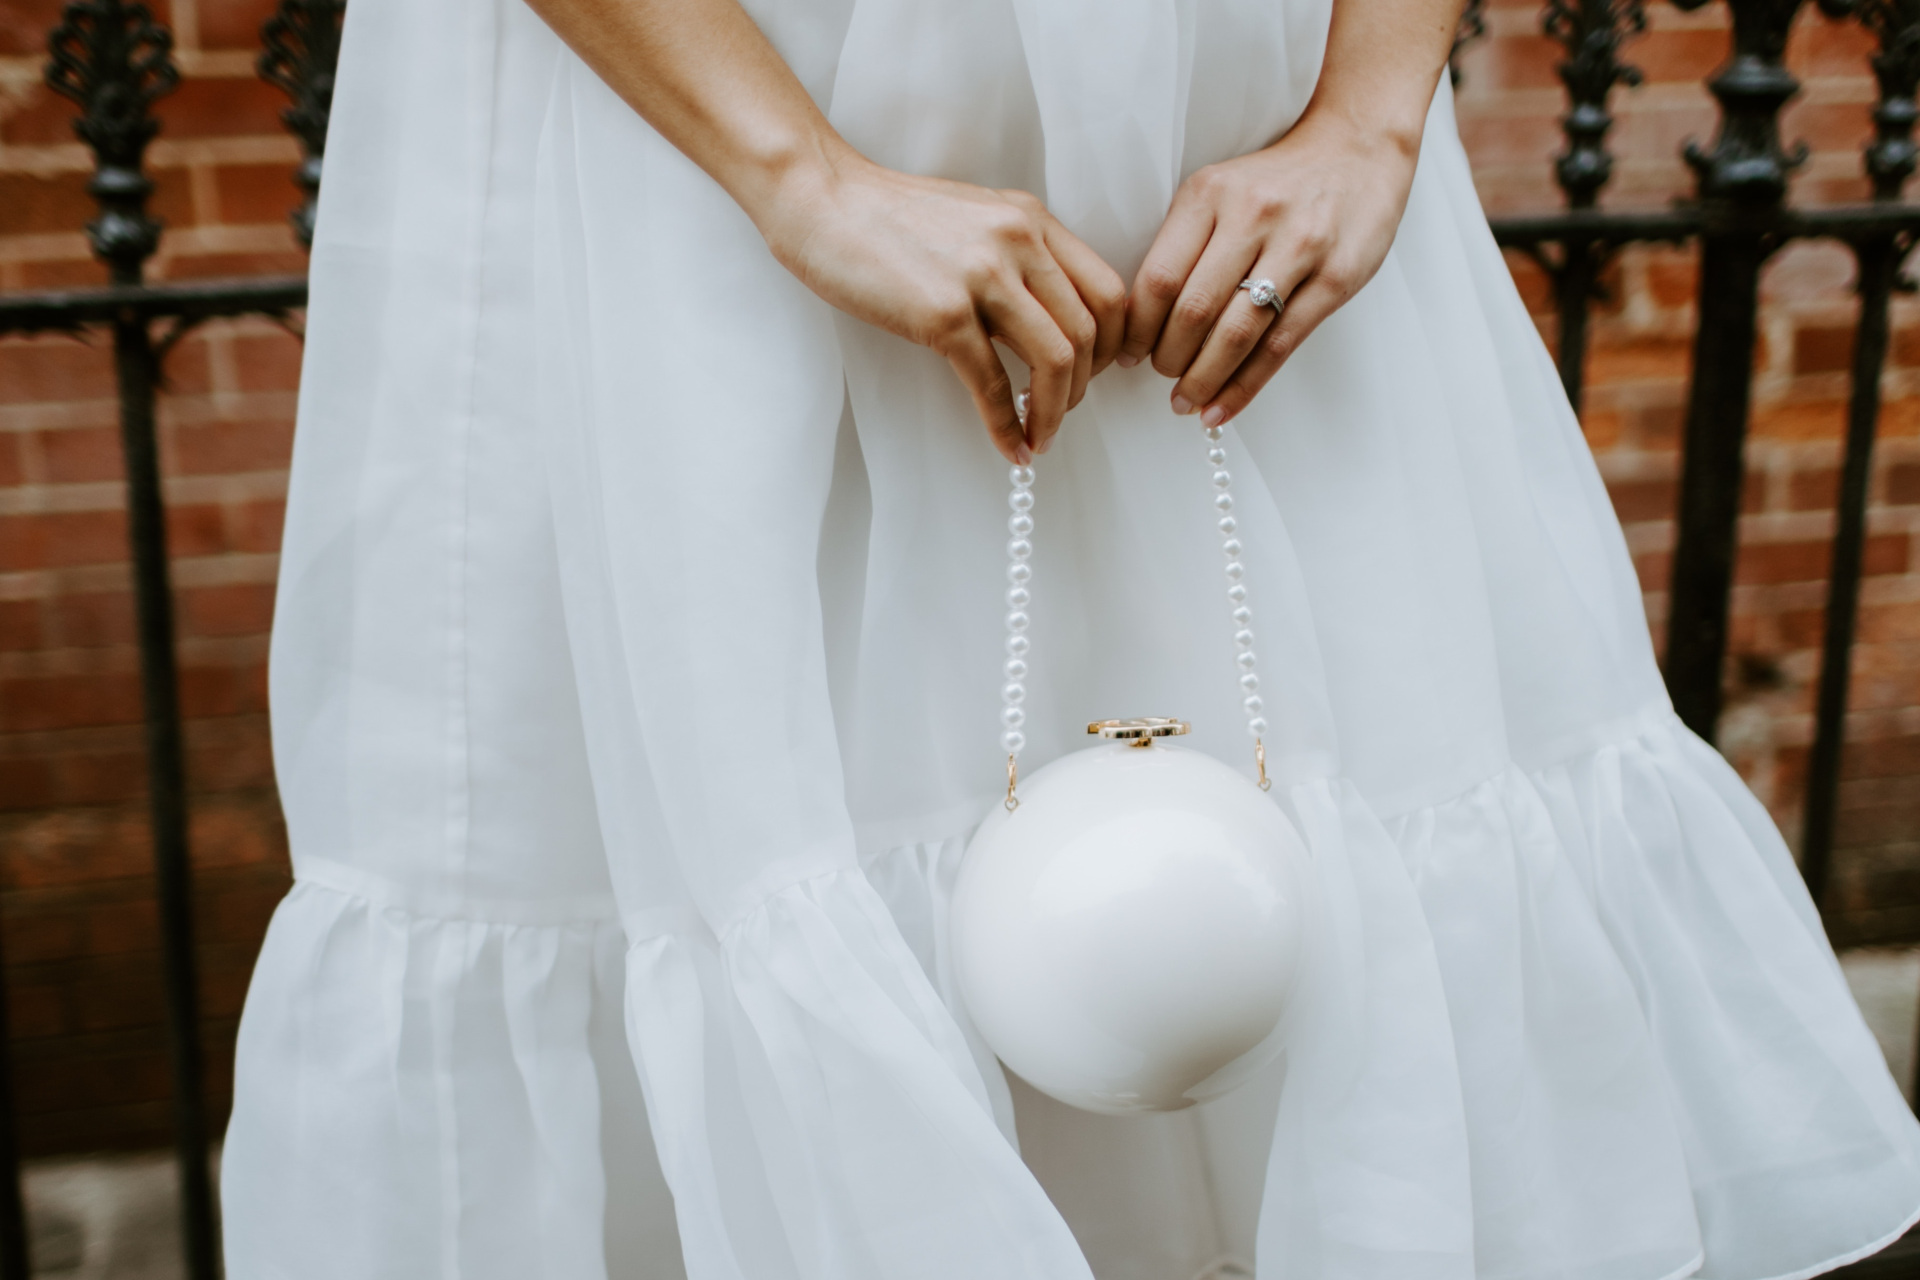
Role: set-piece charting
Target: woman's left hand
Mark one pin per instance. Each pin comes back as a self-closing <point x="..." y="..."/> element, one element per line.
<point x="1315" y="213"/>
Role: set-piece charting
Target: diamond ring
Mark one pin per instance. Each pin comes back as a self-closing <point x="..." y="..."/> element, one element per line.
<point x="1263" y="293"/>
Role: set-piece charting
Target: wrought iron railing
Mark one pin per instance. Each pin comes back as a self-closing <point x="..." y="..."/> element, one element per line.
<point x="114" y="60"/>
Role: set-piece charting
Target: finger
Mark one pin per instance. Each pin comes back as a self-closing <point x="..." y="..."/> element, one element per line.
<point x="1016" y="318"/>
<point x="1240" y="328"/>
<point x="1101" y="290"/>
<point x="1055" y="291"/>
<point x="1315" y="300"/>
<point x="1203" y="298"/>
<point x="1176" y="248"/>
<point x="972" y="356"/>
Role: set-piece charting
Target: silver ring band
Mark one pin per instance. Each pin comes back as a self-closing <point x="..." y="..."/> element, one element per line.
<point x="1264" y="293"/>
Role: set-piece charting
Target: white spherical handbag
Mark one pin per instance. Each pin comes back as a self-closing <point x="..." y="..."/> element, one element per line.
<point x="1129" y="929"/>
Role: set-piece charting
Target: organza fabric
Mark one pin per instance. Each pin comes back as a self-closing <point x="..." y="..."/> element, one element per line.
<point x="634" y="671"/>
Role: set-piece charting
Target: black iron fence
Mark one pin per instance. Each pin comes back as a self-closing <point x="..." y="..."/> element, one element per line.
<point x="114" y="60"/>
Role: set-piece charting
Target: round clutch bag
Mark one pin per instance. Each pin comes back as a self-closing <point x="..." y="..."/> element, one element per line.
<point x="1129" y="929"/>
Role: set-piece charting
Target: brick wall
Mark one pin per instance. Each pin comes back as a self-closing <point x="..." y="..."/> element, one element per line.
<point x="76" y="897"/>
<point x="79" y="928"/>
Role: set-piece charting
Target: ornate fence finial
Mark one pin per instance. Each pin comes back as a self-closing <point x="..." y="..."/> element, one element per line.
<point x="114" y="60"/>
<point x="1746" y="164"/>
<point x="1592" y="32"/>
<point x="302" y="42"/>
<point x="1891" y="155"/>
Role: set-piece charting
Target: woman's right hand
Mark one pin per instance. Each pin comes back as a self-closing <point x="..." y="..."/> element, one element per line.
<point x="956" y="267"/>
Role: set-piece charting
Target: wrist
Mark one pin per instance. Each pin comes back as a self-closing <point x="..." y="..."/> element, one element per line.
<point x="784" y="183"/>
<point x="1374" y="129"/>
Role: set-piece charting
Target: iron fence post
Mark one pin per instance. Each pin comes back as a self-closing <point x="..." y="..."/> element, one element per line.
<point x="1889" y="161"/>
<point x="111" y="58"/>
<point x="1742" y="178"/>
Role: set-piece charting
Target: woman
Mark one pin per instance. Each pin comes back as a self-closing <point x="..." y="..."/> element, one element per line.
<point x="639" y="633"/>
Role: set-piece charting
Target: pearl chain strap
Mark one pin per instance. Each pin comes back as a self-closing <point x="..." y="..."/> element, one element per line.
<point x="1013" y="694"/>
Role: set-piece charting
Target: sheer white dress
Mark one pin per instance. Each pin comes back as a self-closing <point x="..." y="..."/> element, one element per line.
<point x="635" y="689"/>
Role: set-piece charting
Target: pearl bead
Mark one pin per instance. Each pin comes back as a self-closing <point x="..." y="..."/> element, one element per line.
<point x="1252" y="706"/>
<point x="1017" y="621"/>
<point x="1257" y="727"/>
<point x="1246" y="660"/>
<point x="1235" y="570"/>
<point x="1228" y="524"/>
<point x="1020" y="526"/>
<point x="1222" y="478"/>
<point x="1223" y="502"/>
<point x="1233" y="548"/>
<point x="1213" y="434"/>
<point x="1242" y="616"/>
<point x="1012" y="741"/>
<point x="1018" y="574"/>
<point x="1017" y="669"/>
<point x="1019" y="597"/>
<point x="1217" y="456"/>
<point x="1249" y="681"/>
<point x="1020" y="500"/>
<point x="1018" y="645"/>
<point x="1237" y="592"/>
<point x="1019" y="549"/>
<point x="1243" y="638"/>
<point x="1021" y="477"/>
<point x="1013" y="717"/>
<point x="1014" y="693"/>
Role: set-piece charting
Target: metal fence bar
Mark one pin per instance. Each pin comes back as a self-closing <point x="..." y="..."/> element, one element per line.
<point x="1890" y="159"/>
<point x="114" y="60"/>
<point x="1742" y="177"/>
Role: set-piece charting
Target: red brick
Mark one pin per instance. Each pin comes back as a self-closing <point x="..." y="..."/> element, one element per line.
<point x="197" y="530"/>
<point x="255" y="526"/>
<point x="52" y="370"/>
<point x="25" y="25"/>
<point x="220" y="107"/>
<point x="37" y="205"/>
<point x="1775" y="562"/>
<point x="92" y="619"/>
<point x="13" y="467"/>
<point x="68" y="702"/>
<point x="256" y="193"/>
<point x="20" y="627"/>
<point x="26" y="783"/>
<point x="72" y="273"/>
<point x="81" y="454"/>
<point x="233" y="24"/>
<point x="1822" y="349"/>
<point x="1636" y="500"/>
<point x="60" y="539"/>
<point x="240" y="609"/>
<point x="1673" y="280"/>
<point x="268" y="362"/>
<point x="223" y="691"/>
<point x="1903" y="483"/>
<point x="1815" y="490"/>
<point x="216" y="266"/>
<point x="1678" y="54"/>
<point x="229" y="448"/>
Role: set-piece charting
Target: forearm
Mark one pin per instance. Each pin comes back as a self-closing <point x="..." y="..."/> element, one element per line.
<point x="1384" y="60"/>
<point x="702" y="74"/>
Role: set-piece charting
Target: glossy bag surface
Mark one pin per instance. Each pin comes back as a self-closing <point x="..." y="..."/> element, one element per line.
<point x="1128" y="937"/>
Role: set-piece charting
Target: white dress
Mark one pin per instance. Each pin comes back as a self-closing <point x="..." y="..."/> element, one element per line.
<point x="635" y="689"/>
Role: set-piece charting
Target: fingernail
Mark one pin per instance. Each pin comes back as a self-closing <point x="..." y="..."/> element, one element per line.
<point x="1214" y="416"/>
<point x="1182" y="405"/>
<point x="1022" y="454"/>
<point x="1126" y="361"/>
<point x="1044" y="445"/>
